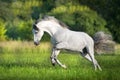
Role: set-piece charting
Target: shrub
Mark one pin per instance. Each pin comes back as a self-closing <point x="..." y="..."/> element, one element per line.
<point x="20" y="30"/>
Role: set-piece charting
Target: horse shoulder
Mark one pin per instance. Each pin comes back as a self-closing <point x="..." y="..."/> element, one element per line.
<point x="60" y="36"/>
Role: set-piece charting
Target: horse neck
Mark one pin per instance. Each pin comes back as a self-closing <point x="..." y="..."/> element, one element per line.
<point x="53" y="28"/>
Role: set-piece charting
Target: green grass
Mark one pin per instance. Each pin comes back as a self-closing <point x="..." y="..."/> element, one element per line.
<point x="23" y="61"/>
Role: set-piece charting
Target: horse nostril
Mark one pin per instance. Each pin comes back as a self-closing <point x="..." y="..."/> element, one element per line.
<point x="36" y="43"/>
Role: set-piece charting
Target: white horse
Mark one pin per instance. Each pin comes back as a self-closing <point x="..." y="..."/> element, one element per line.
<point x="63" y="38"/>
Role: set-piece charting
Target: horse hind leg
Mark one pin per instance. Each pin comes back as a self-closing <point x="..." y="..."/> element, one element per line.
<point x="97" y="65"/>
<point x="85" y="54"/>
<point x="90" y="57"/>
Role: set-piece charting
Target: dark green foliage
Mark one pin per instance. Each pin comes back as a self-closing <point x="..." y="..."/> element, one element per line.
<point x="20" y="30"/>
<point x="110" y="10"/>
<point x="80" y="18"/>
<point x="81" y="15"/>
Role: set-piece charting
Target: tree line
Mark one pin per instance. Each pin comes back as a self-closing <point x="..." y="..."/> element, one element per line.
<point x="90" y="16"/>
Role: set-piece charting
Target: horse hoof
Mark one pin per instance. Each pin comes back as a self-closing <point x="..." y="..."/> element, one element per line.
<point x="53" y="64"/>
<point x="64" y="66"/>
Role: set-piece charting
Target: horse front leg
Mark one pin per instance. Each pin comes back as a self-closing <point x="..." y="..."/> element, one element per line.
<point x="52" y="57"/>
<point x="55" y="60"/>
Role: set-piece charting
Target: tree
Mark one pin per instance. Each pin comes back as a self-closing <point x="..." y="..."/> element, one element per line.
<point x="5" y="12"/>
<point x="110" y="11"/>
<point x="20" y="27"/>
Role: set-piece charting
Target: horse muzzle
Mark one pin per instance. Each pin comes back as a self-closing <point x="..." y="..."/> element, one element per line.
<point x="36" y="43"/>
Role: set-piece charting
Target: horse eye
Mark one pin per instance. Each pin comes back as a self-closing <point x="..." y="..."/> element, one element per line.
<point x="36" y="32"/>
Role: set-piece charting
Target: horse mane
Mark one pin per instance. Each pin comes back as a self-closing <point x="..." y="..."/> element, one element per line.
<point x="56" y="20"/>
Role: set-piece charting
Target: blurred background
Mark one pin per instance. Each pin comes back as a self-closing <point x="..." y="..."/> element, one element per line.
<point x="90" y="16"/>
<point x="20" y="59"/>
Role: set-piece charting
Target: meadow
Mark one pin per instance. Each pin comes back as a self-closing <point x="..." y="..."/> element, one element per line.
<point x="21" y="60"/>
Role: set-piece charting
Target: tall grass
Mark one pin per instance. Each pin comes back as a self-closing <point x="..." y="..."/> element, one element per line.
<point x="21" y="60"/>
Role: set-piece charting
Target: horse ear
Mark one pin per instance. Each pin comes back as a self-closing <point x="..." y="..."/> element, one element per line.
<point x="35" y="27"/>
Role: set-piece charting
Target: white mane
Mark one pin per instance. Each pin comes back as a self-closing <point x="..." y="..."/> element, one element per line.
<point x="46" y="18"/>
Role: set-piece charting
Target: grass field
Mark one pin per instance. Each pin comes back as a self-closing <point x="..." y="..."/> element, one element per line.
<point x="23" y="61"/>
